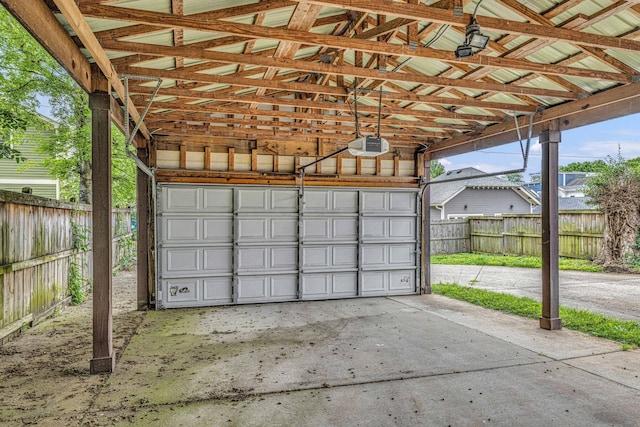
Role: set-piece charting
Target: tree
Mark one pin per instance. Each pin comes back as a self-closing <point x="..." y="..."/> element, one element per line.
<point x="595" y="166"/>
<point x="437" y="169"/>
<point x="616" y="190"/>
<point x="28" y="74"/>
<point x="516" y="178"/>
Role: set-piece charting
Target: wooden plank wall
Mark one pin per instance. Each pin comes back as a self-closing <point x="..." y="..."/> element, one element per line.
<point x="36" y="251"/>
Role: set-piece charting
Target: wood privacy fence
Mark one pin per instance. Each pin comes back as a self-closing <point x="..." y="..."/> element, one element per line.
<point x="580" y="234"/>
<point x="450" y="236"/>
<point x="41" y="242"/>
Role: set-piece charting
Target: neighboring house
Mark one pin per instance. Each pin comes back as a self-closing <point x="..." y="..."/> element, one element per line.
<point x="474" y="194"/>
<point x="565" y="179"/>
<point x="574" y="203"/>
<point x="574" y="188"/>
<point x="32" y="173"/>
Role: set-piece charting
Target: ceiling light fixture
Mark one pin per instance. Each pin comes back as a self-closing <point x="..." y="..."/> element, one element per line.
<point x="474" y="39"/>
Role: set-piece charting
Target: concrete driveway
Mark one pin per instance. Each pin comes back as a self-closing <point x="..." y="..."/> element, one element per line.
<point x="400" y="361"/>
<point x="611" y="294"/>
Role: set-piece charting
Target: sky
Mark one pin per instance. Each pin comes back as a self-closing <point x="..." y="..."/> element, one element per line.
<point x="583" y="144"/>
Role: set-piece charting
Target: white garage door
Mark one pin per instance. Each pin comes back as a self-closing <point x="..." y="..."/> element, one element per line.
<point x="245" y="244"/>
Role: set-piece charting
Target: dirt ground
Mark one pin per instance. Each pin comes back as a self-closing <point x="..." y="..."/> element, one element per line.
<point x="44" y="373"/>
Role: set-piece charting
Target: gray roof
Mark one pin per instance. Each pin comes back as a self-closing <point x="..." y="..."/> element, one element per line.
<point x="475" y="178"/>
<point x="571" y="204"/>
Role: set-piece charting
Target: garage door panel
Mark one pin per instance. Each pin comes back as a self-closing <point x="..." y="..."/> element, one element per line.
<point x="373" y="283"/>
<point x="329" y="285"/>
<point x="181" y="291"/>
<point x="180" y="199"/>
<point x="181" y="260"/>
<point x="217" y="230"/>
<point x="267" y="288"/>
<point x="283" y="258"/>
<point x="217" y="200"/>
<point x="283" y="288"/>
<point x="252" y="230"/>
<point x="374" y="256"/>
<point x="266" y="200"/>
<point x="284" y="200"/>
<point x="345" y="201"/>
<point x="402" y="228"/>
<point x="177" y="230"/>
<point x="402" y="280"/>
<point x="402" y="202"/>
<point x="402" y="255"/>
<point x="384" y="229"/>
<point x="326" y="257"/>
<point x="334" y="201"/>
<point x="316" y="256"/>
<point x="318" y="229"/>
<point x="344" y="228"/>
<point x="251" y="200"/>
<point x="345" y="256"/>
<point x="218" y="290"/>
<point x="217" y="260"/>
<point x="374" y="228"/>
<point x="259" y="230"/>
<point x="284" y="229"/>
<point x="252" y="259"/>
<point x="254" y="289"/>
<point x="248" y="244"/>
<point x="379" y="283"/>
<point x="373" y="202"/>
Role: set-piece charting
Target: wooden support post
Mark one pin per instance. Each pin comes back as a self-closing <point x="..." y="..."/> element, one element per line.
<point x="378" y="165"/>
<point x="207" y="158"/>
<point x="142" y="216"/>
<point x="549" y="140"/>
<point x="358" y="165"/>
<point x="254" y="160"/>
<point x="396" y="166"/>
<point x="276" y="163"/>
<point x="100" y="101"/>
<point x="183" y="157"/>
<point x="425" y="159"/>
<point x="339" y="164"/>
<point x="232" y="159"/>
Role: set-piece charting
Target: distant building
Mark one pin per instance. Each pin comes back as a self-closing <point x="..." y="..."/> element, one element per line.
<point x="33" y="174"/>
<point x="469" y="192"/>
<point x="565" y="179"/>
<point x="574" y="203"/>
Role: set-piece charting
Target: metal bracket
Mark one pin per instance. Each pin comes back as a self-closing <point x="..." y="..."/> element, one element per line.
<point x="131" y="134"/>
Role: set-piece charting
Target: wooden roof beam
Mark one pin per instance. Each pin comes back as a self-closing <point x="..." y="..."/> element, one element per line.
<point x="75" y="19"/>
<point x="423" y="12"/>
<point x="373" y="47"/>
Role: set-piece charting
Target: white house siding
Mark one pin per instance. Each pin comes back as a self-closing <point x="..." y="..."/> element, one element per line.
<point x="487" y="202"/>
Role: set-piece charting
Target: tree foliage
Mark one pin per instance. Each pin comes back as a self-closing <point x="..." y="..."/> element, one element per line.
<point x="437" y="169"/>
<point x="594" y="166"/>
<point x="26" y="72"/>
<point x="515" y="178"/>
<point x="27" y="75"/>
<point x="616" y="190"/>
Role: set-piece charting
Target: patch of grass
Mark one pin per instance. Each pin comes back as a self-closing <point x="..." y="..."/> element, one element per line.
<point x="625" y="332"/>
<point x="512" y="261"/>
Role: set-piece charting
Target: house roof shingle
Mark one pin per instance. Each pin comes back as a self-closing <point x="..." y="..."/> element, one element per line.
<point x="442" y="189"/>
